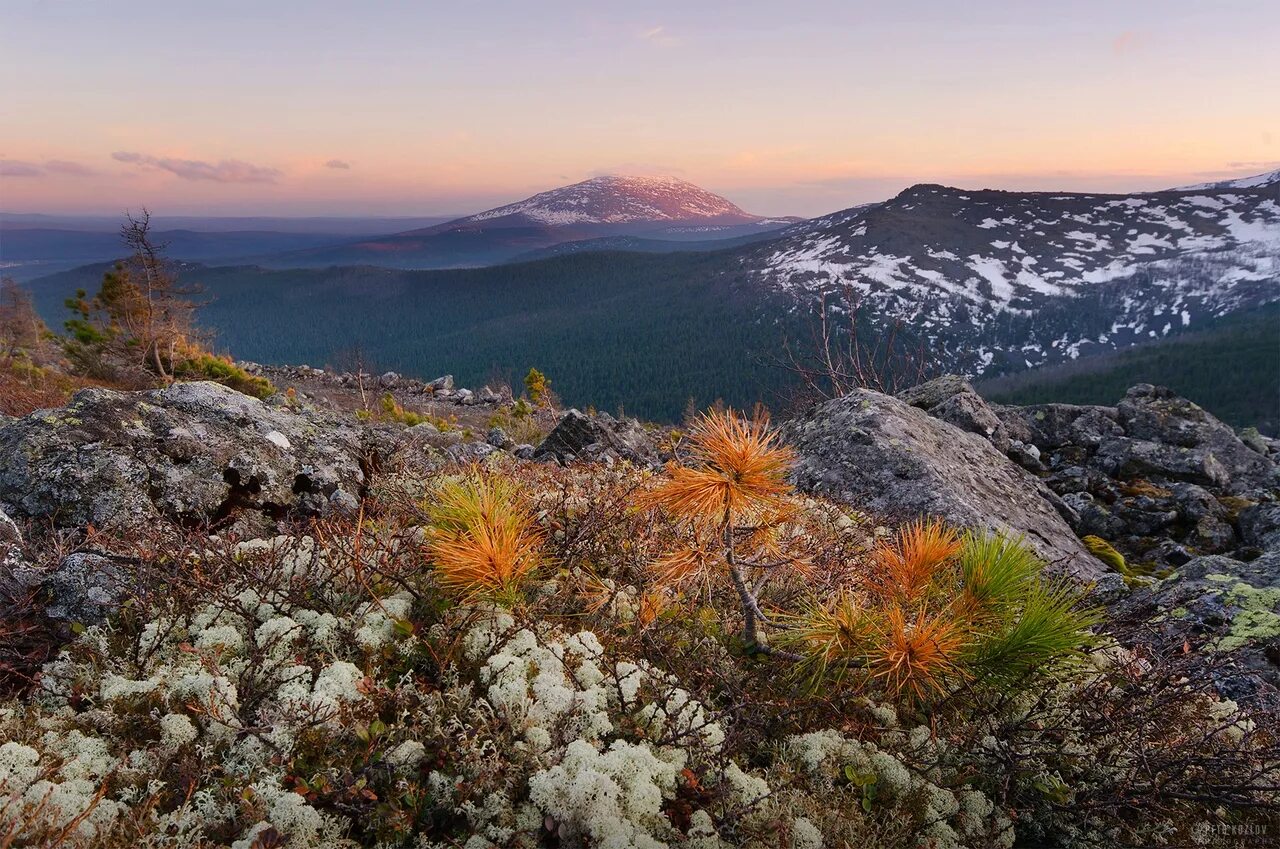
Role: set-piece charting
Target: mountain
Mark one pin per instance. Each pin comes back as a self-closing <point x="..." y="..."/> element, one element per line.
<point x="620" y="200"/>
<point x="661" y="208"/>
<point x="988" y="282"/>
<point x="1257" y="181"/>
<point x="993" y="281"/>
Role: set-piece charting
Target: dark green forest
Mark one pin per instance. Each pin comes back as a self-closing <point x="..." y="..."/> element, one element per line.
<point x="640" y="332"/>
<point x="1231" y="368"/>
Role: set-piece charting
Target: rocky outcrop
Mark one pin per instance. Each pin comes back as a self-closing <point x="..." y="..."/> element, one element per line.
<point x="886" y="456"/>
<point x="1156" y="475"/>
<point x="578" y="436"/>
<point x="953" y="400"/>
<point x="441" y="389"/>
<point x="193" y="452"/>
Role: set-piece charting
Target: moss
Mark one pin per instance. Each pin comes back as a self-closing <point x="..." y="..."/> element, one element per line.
<point x="1256" y="617"/>
<point x="224" y="371"/>
<point x="1104" y="551"/>
<point x="1235" y="505"/>
<point x="1137" y="488"/>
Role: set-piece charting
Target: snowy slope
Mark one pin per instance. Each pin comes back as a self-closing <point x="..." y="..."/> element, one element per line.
<point x="1257" y="181"/>
<point x="660" y="208"/>
<point x="621" y="200"/>
<point x="999" y="281"/>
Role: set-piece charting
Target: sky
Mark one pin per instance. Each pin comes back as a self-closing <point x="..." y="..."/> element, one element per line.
<point x="277" y="107"/>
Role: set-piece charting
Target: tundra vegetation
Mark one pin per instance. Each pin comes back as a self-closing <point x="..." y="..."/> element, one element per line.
<point x="138" y="331"/>
<point x="515" y="654"/>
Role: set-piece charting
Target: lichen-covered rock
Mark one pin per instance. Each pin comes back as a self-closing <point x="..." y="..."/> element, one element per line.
<point x="1161" y="474"/>
<point x="952" y="399"/>
<point x="84" y="588"/>
<point x="192" y="452"/>
<point x="1051" y="426"/>
<point x="885" y="456"/>
<point x="1227" y="605"/>
<point x="579" y="436"/>
<point x="1260" y="525"/>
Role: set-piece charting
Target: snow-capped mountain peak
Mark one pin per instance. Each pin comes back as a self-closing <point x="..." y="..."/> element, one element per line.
<point x="995" y="281"/>
<point x="617" y="199"/>
<point x="1257" y="181"/>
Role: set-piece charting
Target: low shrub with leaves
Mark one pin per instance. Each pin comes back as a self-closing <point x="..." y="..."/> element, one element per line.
<point x="202" y="366"/>
<point x="537" y="656"/>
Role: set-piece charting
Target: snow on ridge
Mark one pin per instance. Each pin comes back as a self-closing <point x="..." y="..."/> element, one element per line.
<point x="616" y="199"/>
<point x="1021" y="250"/>
<point x="1257" y="181"/>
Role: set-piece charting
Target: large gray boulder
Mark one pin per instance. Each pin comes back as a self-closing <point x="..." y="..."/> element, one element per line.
<point x="883" y="455"/>
<point x="578" y="436"/>
<point x="952" y="399"/>
<point x="192" y="452"/>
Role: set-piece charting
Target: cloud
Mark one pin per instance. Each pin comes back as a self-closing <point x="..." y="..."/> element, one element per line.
<point x="1126" y="42"/>
<point x="1263" y="165"/>
<point x="340" y="164"/>
<point x="224" y="171"/>
<point x="16" y="168"/>
<point x="72" y="169"/>
<point x="658" y="36"/>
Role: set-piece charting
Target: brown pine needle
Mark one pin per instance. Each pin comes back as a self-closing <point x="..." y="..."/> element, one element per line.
<point x="916" y="657"/>
<point x="908" y="565"/>
<point x="742" y="473"/>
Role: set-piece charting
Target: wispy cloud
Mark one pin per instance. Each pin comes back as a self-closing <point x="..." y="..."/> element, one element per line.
<point x="223" y="171"/>
<point x="339" y="164"/>
<point x="1257" y="165"/>
<point x="17" y="168"/>
<point x="72" y="169"/>
<point x="658" y="36"/>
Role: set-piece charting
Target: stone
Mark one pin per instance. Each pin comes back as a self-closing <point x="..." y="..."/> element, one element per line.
<point x="441" y="383"/>
<point x="884" y="456"/>
<point x="1227" y="605"/>
<point x="497" y="437"/>
<point x="470" y="452"/>
<point x="1025" y="455"/>
<point x="579" y="436"/>
<point x="1255" y="440"/>
<point x="192" y="452"/>
<point x="1052" y="426"/>
<point x="344" y="503"/>
<point x="85" y="588"/>
<point x="1260" y="525"/>
<point x="1157" y="414"/>
<point x="524" y="451"/>
<point x="951" y="399"/>
<point x="389" y="380"/>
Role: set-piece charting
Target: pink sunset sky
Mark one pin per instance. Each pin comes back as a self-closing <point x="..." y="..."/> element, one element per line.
<point x="423" y="108"/>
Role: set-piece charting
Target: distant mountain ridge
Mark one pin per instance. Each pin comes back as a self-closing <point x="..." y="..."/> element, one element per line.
<point x="663" y="208"/>
<point x="620" y="199"/>
<point x="1257" y="181"/>
<point x="999" y="281"/>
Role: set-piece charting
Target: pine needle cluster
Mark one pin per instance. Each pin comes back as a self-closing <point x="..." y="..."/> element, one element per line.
<point x="942" y="612"/>
<point x="484" y="542"/>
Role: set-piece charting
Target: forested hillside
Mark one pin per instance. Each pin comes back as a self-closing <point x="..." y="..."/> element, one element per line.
<point x="642" y="330"/>
<point x="1232" y="368"/>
